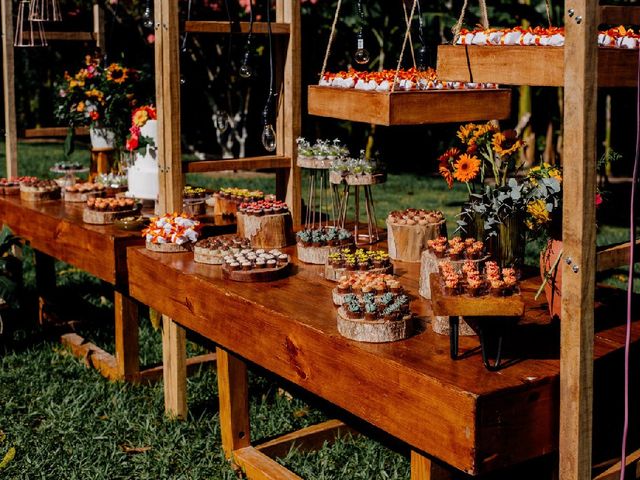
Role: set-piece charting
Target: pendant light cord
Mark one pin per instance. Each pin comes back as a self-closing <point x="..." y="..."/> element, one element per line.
<point x="270" y="98"/>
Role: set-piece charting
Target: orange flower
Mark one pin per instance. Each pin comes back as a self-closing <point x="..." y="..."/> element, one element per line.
<point x="466" y="168"/>
<point x="116" y="73"/>
<point x="506" y="143"/>
<point x="446" y="174"/>
<point x="448" y="157"/>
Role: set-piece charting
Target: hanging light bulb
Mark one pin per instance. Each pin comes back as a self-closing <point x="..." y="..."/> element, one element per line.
<point x="147" y="16"/>
<point x="269" y="141"/>
<point x="45" y="11"/>
<point x="245" y="70"/>
<point x="421" y="58"/>
<point x="362" y="54"/>
<point x="28" y="33"/>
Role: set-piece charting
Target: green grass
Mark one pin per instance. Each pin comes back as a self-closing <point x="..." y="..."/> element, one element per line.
<point x="65" y="421"/>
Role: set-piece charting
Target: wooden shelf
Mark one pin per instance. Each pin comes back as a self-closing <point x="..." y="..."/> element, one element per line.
<point x="68" y="36"/>
<point x="193" y="26"/>
<point x="52" y="132"/>
<point x="409" y="108"/>
<point x="619" y="15"/>
<point x="249" y="163"/>
<point x="530" y="65"/>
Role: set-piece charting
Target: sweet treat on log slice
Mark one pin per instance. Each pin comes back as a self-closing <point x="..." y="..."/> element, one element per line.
<point x="226" y="201"/>
<point x="34" y="190"/>
<point x="346" y="260"/>
<point x="132" y="223"/>
<point x="11" y="186"/>
<point x="356" y="171"/>
<point x="321" y="155"/>
<point x="314" y="245"/>
<point x="213" y="250"/>
<point x="360" y="284"/>
<point x="104" y="211"/>
<point x="266" y="223"/>
<point x="81" y="192"/>
<point x="471" y="282"/>
<point x="375" y="319"/>
<point x="256" y="265"/>
<point x="172" y="233"/>
<point x="410" y="230"/>
<point x="194" y="200"/>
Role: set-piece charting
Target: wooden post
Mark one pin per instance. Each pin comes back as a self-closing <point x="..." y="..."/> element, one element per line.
<point x="579" y="238"/>
<point x="170" y="197"/>
<point x="233" y="395"/>
<point x="423" y="468"/>
<point x="98" y="27"/>
<point x="126" y="333"/>
<point x="8" y="73"/>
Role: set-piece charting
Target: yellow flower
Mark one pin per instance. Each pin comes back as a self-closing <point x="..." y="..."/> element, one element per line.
<point x="483" y="130"/>
<point x="465" y="131"/>
<point x="555" y="173"/>
<point x="80" y="107"/>
<point x="466" y="168"/>
<point x="506" y="143"/>
<point x="140" y="118"/>
<point x="117" y="73"/>
<point x="539" y="213"/>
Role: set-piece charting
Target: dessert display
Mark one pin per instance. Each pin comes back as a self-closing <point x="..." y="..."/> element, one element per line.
<point x="194" y="200"/>
<point x="375" y="318"/>
<point x="172" y="233"/>
<point x="357" y="171"/>
<point x="132" y="223"/>
<point x="410" y="230"/>
<point x="266" y="223"/>
<point x="256" y="265"/>
<point x="320" y="155"/>
<point x="405" y="80"/>
<point x="81" y="192"/>
<point x="114" y="184"/>
<point x="617" y="37"/>
<point x="34" y="190"/>
<point x="11" y="186"/>
<point x="67" y="166"/>
<point x="346" y="260"/>
<point x="226" y="201"/>
<point x="314" y="245"/>
<point x="364" y="283"/>
<point x="104" y="211"/>
<point x="213" y="250"/>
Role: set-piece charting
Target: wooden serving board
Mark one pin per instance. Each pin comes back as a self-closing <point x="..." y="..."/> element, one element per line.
<point x="169" y="247"/>
<point x="374" y="331"/>
<point x="258" y="275"/>
<point x="223" y="206"/>
<point x="464" y="305"/>
<point x="334" y="274"/>
<point x="77" y="197"/>
<point x="407" y="242"/>
<point x="314" y="163"/>
<point x="15" y="190"/>
<point x="96" y="217"/>
<point x="39" y="196"/>
<point x="204" y="255"/>
<point x="429" y="264"/>
<point x="530" y="65"/>
<point x="336" y="178"/>
<point x="266" y="231"/>
<point x="410" y="108"/>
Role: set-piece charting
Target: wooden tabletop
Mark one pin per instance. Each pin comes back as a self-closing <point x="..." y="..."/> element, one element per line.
<point x="56" y="228"/>
<point x="457" y="411"/>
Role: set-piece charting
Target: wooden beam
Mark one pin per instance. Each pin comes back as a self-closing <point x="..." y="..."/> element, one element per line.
<point x="152" y="374"/>
<point x="68" y="36"/>
<point x="579" y="238"/>
<point x="94" y="356"/>
<point x="613" y="256"/>
<point x="194" y="26"/>
<point x="257" y="466"/>
<point x="174" y="355"/>
<point x="233" y="395"/>
<point x="52" y="132"/>
<point x="423" y="468"/>
<point x="249" y="163"/>
<point x="126" y="336"/>
<point x="305" y="439"/>
<point x="613" y="472"/>
<point x="619" y="15"/>
<point x="99" y="33"/>
<point x="8" y="78"/>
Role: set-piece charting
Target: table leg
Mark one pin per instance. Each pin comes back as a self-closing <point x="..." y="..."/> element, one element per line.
<point x="233" y="395"/>
<point x="423" y="468"/>
<point x="45" y="282"/>
<point x="174" y="358"/>
<point x="126" y="333"/>
<point x="453" y="336"/>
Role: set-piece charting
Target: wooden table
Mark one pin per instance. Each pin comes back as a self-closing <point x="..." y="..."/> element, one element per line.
<point x="451" y="410"/>
<point x="55" y="230"/>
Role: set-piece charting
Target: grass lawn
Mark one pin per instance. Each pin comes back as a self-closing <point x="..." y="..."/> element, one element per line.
<point x="59" y="419"/>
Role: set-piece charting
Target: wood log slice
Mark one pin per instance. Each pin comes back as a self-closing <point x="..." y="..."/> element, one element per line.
<point x="314" y="163"/>
<point x="316" y="255"/>
<point x="77" y="197"/>
<point x="337" y="178"/>
<point x="29" y="196"/>
<point x="407" y="242"/>
<point x="96" y="217"/>
<point x="256" y="275"/>
<point x="374" y="331"/>
<point x="429" y="264"/>
<point x="338" y="298"/>
<point x="169" y="247"/>
<point x="223" y="206"/>
<point x="440" y="325"/>
<point x="12" y="190"/>
<point x="266" y="231"/>
<point x="334" y="274"/>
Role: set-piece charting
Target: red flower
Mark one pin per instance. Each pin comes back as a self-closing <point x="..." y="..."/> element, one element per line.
<point x="94" y="115"/>
<point x="598" y="199"/>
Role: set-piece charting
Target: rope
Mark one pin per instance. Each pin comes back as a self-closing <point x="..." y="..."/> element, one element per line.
<point x="458" y="25"/>
<point x="404" y="45"/>
<point x="331" y="37"/>
<point x="484" y="16"/>
<point x="547" y="5"/>
<point x="408" y="22"/>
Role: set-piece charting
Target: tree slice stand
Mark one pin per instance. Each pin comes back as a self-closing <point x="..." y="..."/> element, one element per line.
<point x="361" y="179"/>
<point x="205" y="255"/>
<point x="169" y="247"/>
<point x="266" y="231"/>
<point x="374" y="331"/>
<point x="315" y="255"/>
<point x="256" y="275"/>
<point x="77" y="197"/>
<point x="372" y="235"/>
<point x="223" y="206"/>
<point x="314" y="162"/>
<point x="95" y="217"/>
<point x="407" y="242"/>
<point x="334" y="274"/>
<point x="28" y="196"/>
<point x="12" y="190"/>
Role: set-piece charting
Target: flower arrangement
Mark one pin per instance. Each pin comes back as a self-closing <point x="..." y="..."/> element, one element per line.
<point x="356" y="166"/>
<point x="173" y="228"/>
<point x="322" y="149"/>
<point x="98" y="96"/>
<point x="544" y="200"/>
<point x="139" y="119"/>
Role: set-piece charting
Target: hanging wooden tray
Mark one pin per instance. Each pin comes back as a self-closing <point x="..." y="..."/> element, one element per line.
<point x="410" y="108"/>
<point x="256" y="275"/>
<point x="530" y="65"/>
<point x="374" y="331"/>
<point x="465" y="305"/>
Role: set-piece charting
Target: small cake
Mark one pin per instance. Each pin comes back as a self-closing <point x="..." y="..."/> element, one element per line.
<point x="35" y="190"/>
<point x="80" y="192"/>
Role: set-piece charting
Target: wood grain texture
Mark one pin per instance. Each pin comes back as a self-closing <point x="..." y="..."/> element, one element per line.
<point x="619" y="15"/>
<point x="174" y="373"/>
<point x="233" y="395"/>
<point x="196" y="26"/>
<point x="266" y="231"/>
<point x="99" y="32"/>
<point x="249" y="163"/>
<point x="614" y="256"/>
<point x="9" y="90"/>
<point x="257" y="466"/>
<point x="361" y="330"/>
<point x="256" y="275"/>
<point x="423" y="468"/>
<point x="409" y="108"/>
<point x="581" y="60"/>
<point x="613" y="472"/>
<point x="407" y="242"/>
<point x="94" y="356"/>
<point x="53" y="132"/>
<point x="530" y="65"/>
<point x="126" y="336"/>
<point x="95" y="217"/>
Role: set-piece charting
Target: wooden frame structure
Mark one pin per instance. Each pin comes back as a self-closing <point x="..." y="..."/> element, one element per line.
<point x="97" y="35"/>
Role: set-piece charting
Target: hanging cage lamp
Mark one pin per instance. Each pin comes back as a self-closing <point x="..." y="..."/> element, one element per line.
<point x="45" y="11"/>
<point x="28" y="33"/>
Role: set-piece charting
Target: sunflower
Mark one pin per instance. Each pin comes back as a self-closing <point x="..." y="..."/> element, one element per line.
<point x="483" y="130"/>
<point x="117" y="73"/>
<point x="466" y="168"/>
<point x="506" y="143"/>
<point x="446" y="174"/>
<point x="448" y="157"/>
<point x="466" y="131"/>
<point x="539" y="213"/>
